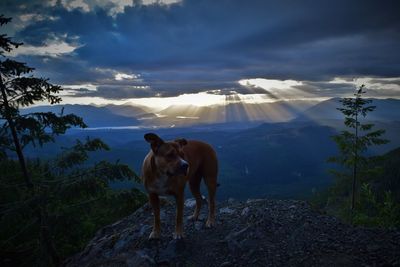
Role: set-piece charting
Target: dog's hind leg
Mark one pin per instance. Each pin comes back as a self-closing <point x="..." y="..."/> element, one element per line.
<point x="211" y="183"/>
<point x="194" y="184"/>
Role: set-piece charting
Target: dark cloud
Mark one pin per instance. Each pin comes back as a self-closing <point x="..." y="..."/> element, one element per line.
<point x="115" y="92"/>
<point x="205" y="45"/>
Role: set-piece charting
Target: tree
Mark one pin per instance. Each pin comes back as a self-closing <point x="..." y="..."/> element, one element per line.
<point x="50" y="189"/>
<point x="354" y="143"/>
<point x="20" y="89"/>
<point x="75" y="197"/>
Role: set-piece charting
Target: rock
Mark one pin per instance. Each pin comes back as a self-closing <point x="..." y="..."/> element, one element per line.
<point x="251" y="200"/>
<point x="265" y="233"/>
<point x="190" y="203"/>
<point x="198" y="226"/>
<point x="173" y="250"/>
<point x="202" y="216"/>
<point x="162" y="215"/>
<point x="236" y="234"/>
<point x="226" y="210"/>
<point x="245" y="211"/>
<point x="140" y="259"/>
<point x="231" y="200"/>
<point x="249" y="245"/>
<point x="233" y="240"/>
<point x="121" y="244"/>
<point x="233" y="245"/>
<point x="145" y="228"/>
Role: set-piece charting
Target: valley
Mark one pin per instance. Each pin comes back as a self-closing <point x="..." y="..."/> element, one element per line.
<point x="279" y="159"/>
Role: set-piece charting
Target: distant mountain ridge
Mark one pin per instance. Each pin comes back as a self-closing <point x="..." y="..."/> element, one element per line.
<point x="386" y="110"/>
<point x="128" y="110"/>
<point x="189" y="115"/>
<point x="286" y="159"/>
<point x="279" y="111"/>
<point x="93" y="116"/>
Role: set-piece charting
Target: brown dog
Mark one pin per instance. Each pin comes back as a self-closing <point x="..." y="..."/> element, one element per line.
<point x="168" y="166"/>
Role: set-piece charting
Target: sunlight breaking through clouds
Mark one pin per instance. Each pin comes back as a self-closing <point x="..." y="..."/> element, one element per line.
<point x="185" y="47"/>
<point x="278" y="89"/>
<point x="199" y="99"/>
<point x="275" y="91"/>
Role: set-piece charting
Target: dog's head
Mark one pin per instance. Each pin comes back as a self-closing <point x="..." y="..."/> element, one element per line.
<point x="168" y="156"/>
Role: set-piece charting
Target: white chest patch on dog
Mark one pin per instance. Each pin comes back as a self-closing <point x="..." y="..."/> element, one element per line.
<point x="160" y="186"/>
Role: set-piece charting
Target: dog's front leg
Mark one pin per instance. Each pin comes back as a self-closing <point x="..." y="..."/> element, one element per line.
<point x="155" y="204"/>
<point x="179" y="216"/>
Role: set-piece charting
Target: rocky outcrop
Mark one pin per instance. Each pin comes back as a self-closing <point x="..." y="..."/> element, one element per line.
<point x="258" y="232"/>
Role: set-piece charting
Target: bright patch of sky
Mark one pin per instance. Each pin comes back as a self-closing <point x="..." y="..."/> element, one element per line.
<point x="269" y="84"/>
<point x="161" y="52"/>
<point x="371" y="83"/>
<point x="88" y="86"/>
<point x="54" y="47"/>
<point x="199" y="99"/>
<point x="124" y="76"/>
<point x="276" y="90"/>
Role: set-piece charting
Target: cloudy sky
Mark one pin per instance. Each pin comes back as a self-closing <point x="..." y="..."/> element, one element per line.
<point x="162" y="52"/>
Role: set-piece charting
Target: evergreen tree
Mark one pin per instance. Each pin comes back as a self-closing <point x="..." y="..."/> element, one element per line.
<point x="58" y="198"/>
<point x="354" y="142"/>
<point x="20" y="89"/>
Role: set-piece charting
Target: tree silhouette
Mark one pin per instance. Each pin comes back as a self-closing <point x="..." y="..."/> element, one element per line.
<point x="351" y="144"/>
<point x="60" y="197"/>
<point x="21" y="89"/>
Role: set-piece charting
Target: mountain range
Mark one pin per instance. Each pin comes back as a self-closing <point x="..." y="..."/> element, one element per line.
<point x="92" y="115"/>
<point x="386" y="110"/>
<point x="188" y="115"/>
<point x="257" y="158"/>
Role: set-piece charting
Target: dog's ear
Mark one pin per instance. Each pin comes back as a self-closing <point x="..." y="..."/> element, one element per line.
<point x="182" y="142"/>
<point x="154" y="140"/>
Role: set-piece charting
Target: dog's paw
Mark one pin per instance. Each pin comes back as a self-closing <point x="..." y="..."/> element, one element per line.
<point x="154" y="235"/>
<point x="178" y="236"/>
<point x="210" y="223"/>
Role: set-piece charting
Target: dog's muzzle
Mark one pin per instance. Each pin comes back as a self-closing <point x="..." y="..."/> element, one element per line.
<point x="184" y="166"/>
<point x="180" y="170"/>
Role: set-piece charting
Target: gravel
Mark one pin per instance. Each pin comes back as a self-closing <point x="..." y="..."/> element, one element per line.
<point x="257" y="232"/>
